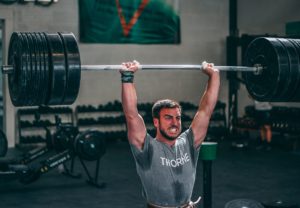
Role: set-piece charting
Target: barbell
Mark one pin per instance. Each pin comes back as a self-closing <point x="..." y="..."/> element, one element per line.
<point x="45" y="69"/>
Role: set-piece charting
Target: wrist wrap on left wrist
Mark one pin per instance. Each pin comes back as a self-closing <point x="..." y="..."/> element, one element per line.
<point x="127" y="76"/>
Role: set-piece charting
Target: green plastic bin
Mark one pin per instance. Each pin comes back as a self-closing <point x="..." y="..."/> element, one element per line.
<point x="208" y="151"/>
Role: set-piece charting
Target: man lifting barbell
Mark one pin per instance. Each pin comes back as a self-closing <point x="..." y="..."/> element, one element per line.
<point x="167" y="163"/>
<point x="45" y="69"/>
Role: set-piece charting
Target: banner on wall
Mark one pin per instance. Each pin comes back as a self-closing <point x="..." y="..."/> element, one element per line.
<point x="129" y="21"/>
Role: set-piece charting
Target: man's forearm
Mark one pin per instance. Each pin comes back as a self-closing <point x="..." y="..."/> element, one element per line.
<point x="129" y="99"/>
<point x="210" y="97"/>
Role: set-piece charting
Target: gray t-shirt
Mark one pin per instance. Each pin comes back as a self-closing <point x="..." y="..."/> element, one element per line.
<point x="167" y="173"/>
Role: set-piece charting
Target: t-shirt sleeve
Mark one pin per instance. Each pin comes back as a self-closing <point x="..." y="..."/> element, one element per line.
<point x="190" y="139"/>
<point x="141" y="155"/>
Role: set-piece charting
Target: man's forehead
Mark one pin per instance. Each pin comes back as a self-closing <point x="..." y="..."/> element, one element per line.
<point x="170" y="111"/>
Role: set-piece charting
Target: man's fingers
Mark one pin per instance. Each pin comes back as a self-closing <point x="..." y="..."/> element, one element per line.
<point x="131" y="66"/>
<point x="138" y="65"/>
<point x="124" y="68"/>
<point x="209" y="67"/>
<point x="204" y="64"/>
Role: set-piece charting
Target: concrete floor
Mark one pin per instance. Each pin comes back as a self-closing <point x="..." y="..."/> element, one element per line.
<point x="245" y="173"/>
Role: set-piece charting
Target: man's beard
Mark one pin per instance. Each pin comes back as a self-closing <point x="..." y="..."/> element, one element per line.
<point x="170" y="138"/>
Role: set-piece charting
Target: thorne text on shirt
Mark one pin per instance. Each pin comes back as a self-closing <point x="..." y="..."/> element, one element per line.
<point x="175" y="162"/>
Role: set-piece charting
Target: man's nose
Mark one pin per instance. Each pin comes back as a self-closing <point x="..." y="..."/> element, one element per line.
<point x="175" y="121"/>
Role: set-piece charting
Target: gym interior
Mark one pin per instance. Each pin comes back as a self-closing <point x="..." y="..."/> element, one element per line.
<point x="75" y="152"/>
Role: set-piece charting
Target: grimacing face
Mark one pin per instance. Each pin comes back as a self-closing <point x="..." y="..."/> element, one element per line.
<point x="169" y="123"/>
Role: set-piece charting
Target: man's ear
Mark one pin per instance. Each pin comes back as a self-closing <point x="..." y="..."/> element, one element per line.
<point x="156" y="122"/>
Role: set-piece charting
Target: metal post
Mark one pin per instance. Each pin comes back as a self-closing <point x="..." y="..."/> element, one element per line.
<point x="207" y="192"/>
<point x="232" y="50"/>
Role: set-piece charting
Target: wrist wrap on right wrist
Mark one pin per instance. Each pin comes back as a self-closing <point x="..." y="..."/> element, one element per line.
<point x="127" y="76"/>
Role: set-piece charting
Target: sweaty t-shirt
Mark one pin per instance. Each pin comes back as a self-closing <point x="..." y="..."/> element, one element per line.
<point x="167" y="173"/>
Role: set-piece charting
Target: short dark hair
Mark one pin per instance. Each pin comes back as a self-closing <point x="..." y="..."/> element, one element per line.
<point x="165" y="103"/>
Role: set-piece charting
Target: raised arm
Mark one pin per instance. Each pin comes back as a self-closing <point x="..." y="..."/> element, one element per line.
<point x="136" y="129"/>
<point x="206" y="105"/>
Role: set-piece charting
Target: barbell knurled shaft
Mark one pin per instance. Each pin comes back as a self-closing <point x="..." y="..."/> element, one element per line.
<point x="171" y="67"/>
<point x="6" y="69"/>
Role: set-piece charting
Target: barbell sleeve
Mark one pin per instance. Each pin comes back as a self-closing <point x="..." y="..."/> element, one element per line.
<point x="7" y="69"/>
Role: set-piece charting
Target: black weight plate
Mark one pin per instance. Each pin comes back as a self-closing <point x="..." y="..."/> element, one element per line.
<point x="285" y="71"/>
<point x="39" y="64"/>
<point x="38" y="55"/>
<point x="35" y="72"/>
<point x="21" y="73"/>
<point x="45" y="57"/>
<point x="28" y="68"/>
<point x="73" y="67"/>
<point x="296" y="96"/>
<point x="57" y="69"/>
<point x="3" y="144"/>
<point x="32" y="70"/>
<point x="294" y="68"/>
<point x="90" y="145"/>
<point x="17" y="80"/>
<point x="262" y="87"/>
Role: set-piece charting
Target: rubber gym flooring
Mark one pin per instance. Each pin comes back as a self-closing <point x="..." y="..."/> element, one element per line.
<point x="264" y="176"/>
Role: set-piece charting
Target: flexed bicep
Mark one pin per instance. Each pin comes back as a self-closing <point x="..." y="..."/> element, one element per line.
<point x="136" y="131"/>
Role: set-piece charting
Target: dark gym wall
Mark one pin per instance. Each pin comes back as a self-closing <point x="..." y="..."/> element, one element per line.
<point x="204" y="27"/>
